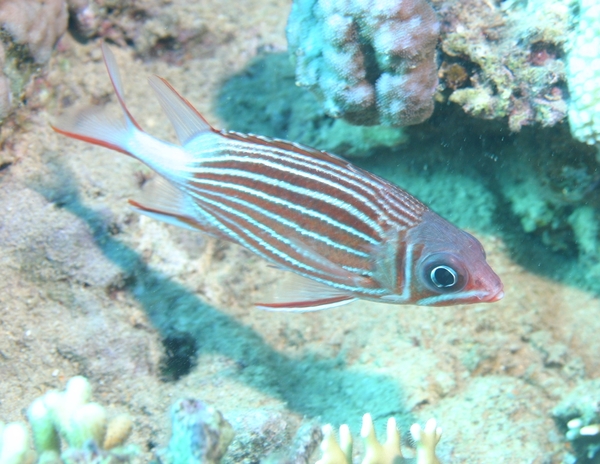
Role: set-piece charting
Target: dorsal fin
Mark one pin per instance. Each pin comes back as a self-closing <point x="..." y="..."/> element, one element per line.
<point x="186" y="120"/>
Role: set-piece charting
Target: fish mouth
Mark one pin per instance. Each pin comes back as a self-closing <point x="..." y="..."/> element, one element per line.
<point x="494" y="296"/>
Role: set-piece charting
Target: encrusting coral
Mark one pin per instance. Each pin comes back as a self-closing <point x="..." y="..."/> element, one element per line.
<point x="371" y="62"/>
<point x="381" y="453"/>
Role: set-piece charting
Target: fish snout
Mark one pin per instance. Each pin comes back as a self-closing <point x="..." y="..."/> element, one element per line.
<point x="494" y="290"/>
<point x="495" y="297"/>
<point x="490" y="286"/>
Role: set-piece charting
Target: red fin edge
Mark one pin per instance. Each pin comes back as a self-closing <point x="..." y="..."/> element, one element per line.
<point x="309" y="305"/>
<point x="91" y="140"/>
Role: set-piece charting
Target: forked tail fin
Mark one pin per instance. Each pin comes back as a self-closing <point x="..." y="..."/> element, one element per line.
<point x="93" y="125"/>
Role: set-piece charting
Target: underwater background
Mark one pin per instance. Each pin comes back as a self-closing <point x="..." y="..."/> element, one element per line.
<point x="150" y="313"/>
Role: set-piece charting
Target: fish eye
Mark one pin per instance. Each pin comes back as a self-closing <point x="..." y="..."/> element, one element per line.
<point x="443" y="276"/>
<point x="443" y="273"/>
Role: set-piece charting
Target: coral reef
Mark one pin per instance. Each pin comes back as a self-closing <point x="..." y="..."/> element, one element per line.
<point x="497" y="60"/>
<point x="505" y="59"/>
<point x="583" y="74"/>
<point x="371" y="62"/>
<point x="377" y="453"/>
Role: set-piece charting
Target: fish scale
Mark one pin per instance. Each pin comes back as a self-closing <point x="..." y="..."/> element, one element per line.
<point x="344" y="232"/>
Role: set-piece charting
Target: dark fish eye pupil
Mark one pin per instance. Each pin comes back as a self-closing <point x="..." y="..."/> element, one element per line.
<point x="443" y="276"/>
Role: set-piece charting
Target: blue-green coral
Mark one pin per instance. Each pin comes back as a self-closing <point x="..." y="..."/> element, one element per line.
<point x="370" y="62"/>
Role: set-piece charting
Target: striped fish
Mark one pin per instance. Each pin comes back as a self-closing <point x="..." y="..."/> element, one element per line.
<point x="346" y="233"/>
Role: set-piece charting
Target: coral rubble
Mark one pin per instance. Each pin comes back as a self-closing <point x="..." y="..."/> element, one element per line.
<point x="371" y="62"/>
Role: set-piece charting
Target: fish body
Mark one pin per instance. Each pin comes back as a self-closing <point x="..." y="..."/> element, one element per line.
<point x="346" y="232"/>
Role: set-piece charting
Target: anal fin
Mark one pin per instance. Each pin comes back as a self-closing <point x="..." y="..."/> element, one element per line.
<point x="296" y="293"/>
<point x="164" y="201"/>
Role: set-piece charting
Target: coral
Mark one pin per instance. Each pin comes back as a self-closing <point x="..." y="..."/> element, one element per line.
<point x="14" y="444"/>
<point x="371" y="62"/>
<point x="583" y="74"/>
<point x="29" y="30"/>
<point x="578" y="415"/>
<point x="510" y="59"/>
<point x="377" y="453"/>
<point x="200" y="434"/>
<point x="69" y="416"/>
<point x="289" y="112"/>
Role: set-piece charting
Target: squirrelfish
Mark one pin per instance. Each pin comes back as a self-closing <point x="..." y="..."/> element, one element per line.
<point x="345" y="232"/>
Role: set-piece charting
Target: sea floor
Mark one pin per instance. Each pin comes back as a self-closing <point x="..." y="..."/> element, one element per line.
<point x="151" y="313"/>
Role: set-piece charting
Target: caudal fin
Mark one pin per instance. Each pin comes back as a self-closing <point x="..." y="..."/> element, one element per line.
<point x="93" y="125"/>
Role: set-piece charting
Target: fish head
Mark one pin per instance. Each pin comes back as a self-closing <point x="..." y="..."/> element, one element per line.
<point x="448" y="266"/>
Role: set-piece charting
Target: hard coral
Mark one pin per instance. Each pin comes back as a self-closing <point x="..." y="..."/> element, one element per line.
<point x="381" y="453"/>
<point x="70" y="416"/>
<point x="370" y="61"/>
<point x="513" y="52"/>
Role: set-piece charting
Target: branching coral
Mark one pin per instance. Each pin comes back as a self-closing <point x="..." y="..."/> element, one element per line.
<point x="377" y="453"/>
<point x="67" y="418"/>
<point x="370" y="61"/>
<point x="70" y="416"/>
<point x="14" y="444"/>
